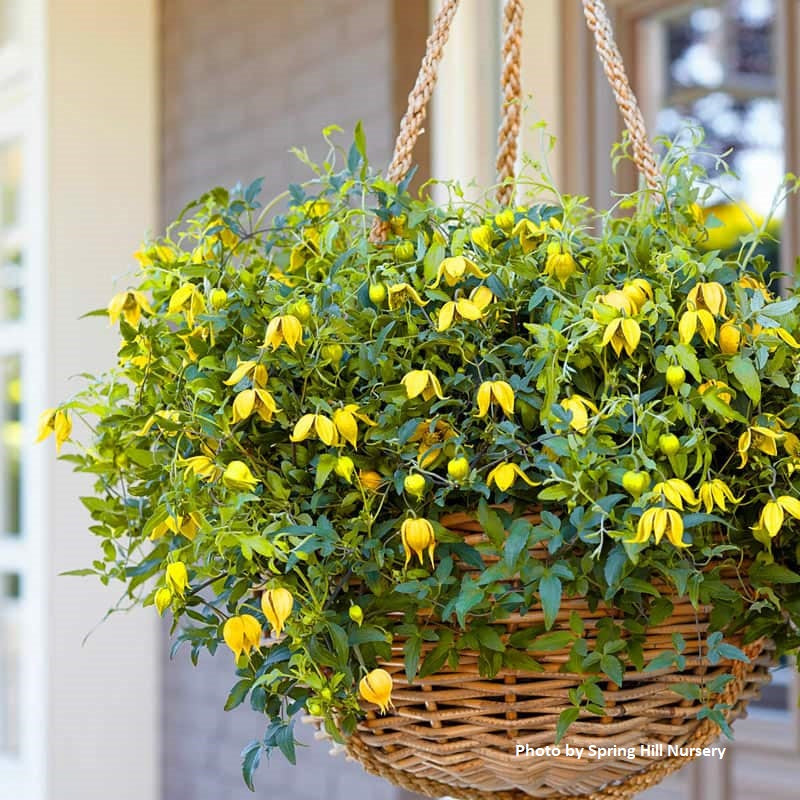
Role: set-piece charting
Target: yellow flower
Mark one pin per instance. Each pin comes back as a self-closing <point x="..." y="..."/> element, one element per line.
<point x="222" y="232"/>
<point x="730" y="338"/>
<point x="54" y="421"/>
<point x="188" y="299"/>
<point x="203" y="467"/>
<point x="481" y="296"/>
<point x="505" y="475"/>
<point x="433" y="441"/>
<point x="237" y="476"/>
<point x="622" y="332"/>
<point x="187" y="525"/>
<point x="277" y="605"/>
<point x="316" y="424"/>
<point x="346" y="421"/>
<point x="675" y="491"/>
<point x="639" y="291"/>
<point x="454" y="270"/>
<point x="249" y="400"/>
<point x="482" y="236"/>
<point x="286" y="328"/>
<point x="376" y="687"/>
<point x="749" y="282"/>
<point x="579" y="407"/>
<point x="689" y="323"/>
<point x="457" y="310"/>
<point x="530" y="233"/>
<point x="615" y="299"/>
<point x="772" y="515"/>
<point x="370" y="479"/>
<point x="162" y="599"/>
<point x="417" y="536"/>
<point x="130" y="305"/>
<point x="177" y="577"/>
<point x="716" y="492"/>
<point x="498" y="392"/>
<point x="659" y="521"/>
<point x="244" y="369"/>
<point x="722" y="389"/>
<point x="401" y="293"/>
<point x="560" y="263"/>
<point x="242" y="634"/>
<point x="344" y="468"/>
<point x="760" y="437"/>
<point x="422" y="382"/>
<point x="786" y="337"/>
<point x="709" y="297"/>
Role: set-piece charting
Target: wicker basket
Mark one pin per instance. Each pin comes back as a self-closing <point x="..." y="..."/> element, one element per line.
<point x="455" y="733"/>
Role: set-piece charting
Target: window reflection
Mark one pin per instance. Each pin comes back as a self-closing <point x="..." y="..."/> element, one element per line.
<point x="10" y="586"/>
<point x="10" y="443"/>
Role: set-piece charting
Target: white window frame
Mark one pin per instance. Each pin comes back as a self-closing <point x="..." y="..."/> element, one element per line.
<point x="22" y="118"/>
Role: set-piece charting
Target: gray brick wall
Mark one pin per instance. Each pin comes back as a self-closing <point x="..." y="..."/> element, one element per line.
<point x="242" y="82"/>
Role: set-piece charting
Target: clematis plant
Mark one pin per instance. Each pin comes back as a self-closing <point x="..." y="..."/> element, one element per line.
<point x="296" y="407"/>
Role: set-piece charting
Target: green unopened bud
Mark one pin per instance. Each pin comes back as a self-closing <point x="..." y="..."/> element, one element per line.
<point x="218" y="299"/>
<point x="415" y="485"/>
<point x="344" y="467"/>
<point x="458" y="468"/>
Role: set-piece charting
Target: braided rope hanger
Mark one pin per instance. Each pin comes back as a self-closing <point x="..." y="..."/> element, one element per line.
<point x="411" y="126"/>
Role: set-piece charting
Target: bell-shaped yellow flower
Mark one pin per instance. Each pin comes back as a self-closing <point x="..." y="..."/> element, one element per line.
<point x="689" y="323"/>
<point x="254" y="400"/>
<point x="730" y="338"/>
<point x="315" y="425"/>
<point x="560" y="264"/>
<point x="177" y="577"/>
<point x="370" y="480"/>
<point x="401" y="293"/>
<point x="346" y="421"/>
<point x="622" y="333"/>
<point x="639" y="291"/>
<point x="162" y="599"/>
<point x="716" y="493"/>
<point x="760" y="437"/>
<point x="277" y="605"/>
<point x="129" y="305"/>
<point x="376" y="687"/>
<point x="482" y="237"/>
<point x="432" y="439"/>
<point x="772" y="515"/>
<point x="422" y="382"/>
<point x="454" y="270"/>
<point x="749" y="282"/>
<point x="505" y="475"/>
<point x="237" y="476"/>
<point x="54" y="421"/>
<point x="188" y="299"/>
<point x="417" y="536"/>
<point x="499" y="392"/>
<point x="252" y="369"/>
<point x="187" y="525"/>
<point x="675" y="491"/>
<point x="530" y="234"/>
<point x="579" y="407"/>
<point x="344" y="468"/>
<point x="709" y="296"/>
<point x="455" y="310"/>
<point x="242" y="634"/>
<point x="286" y="328"/>
<point x="203" y="467"/>
<point x="616" y="299"/>
<point x="660" y="521"/>
<point x="722" y="389"/>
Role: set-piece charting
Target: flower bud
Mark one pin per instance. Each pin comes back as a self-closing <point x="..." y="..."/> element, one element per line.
<point x="730" y="339"/>
<point x="177" y="577"/>
<point x="277" y="605"/>
<point x="237" y="476"/>
<point x="404" y="251"/>
<point x="218" y="299"/>
<point x="162" y="600"/>
<point x="344" y="467"/>
<point x="356" y="613"/>
<point x="417" y="536"/>
<point x="376" y="687"/>
<point x="635" y="482"/>
<point x="377" y="293"/>
<point x="458" y="468"/>
<point x="415" y="485"/>
<point x="669" y="443"/>
<point x="676" y="377"/>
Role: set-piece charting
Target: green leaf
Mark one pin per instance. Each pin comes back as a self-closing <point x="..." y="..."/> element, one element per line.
<point x="612" y="667"/>
<point x="565" y="719"/>
<point x="360" y="140"/>
<point x="550" y="642"/>
<point x="516" y="542"/>
<point x="251" y="758"/>
<point x="747" y="376"/>
<point x="412" y="648"/>
<point x="550" y="595"/>
<point x="238" y="694"/>
<point x="490" y="638"/>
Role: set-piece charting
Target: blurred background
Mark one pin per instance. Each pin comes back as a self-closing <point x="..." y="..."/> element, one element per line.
<point x="113" y="114"/>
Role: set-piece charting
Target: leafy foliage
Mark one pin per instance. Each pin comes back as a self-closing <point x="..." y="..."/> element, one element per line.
<point x="281" y="377"/>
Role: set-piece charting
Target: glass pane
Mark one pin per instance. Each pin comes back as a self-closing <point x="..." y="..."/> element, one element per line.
<point x="10" y="442"/>
<point x="9" y="663"/>
<point x="775" y="696"/>
<point x="695" y="48"/>
<point x="10" y="177"/>
<point x="753" y="29"/>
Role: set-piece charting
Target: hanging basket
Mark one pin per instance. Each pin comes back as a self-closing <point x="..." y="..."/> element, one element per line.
<point x="456" y="733"/>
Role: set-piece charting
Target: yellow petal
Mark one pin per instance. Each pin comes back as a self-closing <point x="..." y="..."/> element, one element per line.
<point x="484" y="398"/>
<point x="708" y="327"/>
<point x="744" y="446"/>
<point x="481" y="296"/>
<point x="179" y="297"/>
<point x="415" y="382"/>
<point x="660" y="521"/>
<point x="243" y="405"/>
<point x="326" y="430"/>
<point x="303" y="428"/>
<point x="446" y="316"/>
<point x="233" y="634"/>
<point x="244" y="368"/>
<point x="46" y="424"/>
<point x="62" y="425"/>
<point x="504" y="395"/>
<point x="787" y="337"/>
<point x="347" y="426"/>
<point x="468" y="310"/>
<point x="772" y="518"/>
<point x="687" y="327"/>
<point x="791" y="505"/>
<point x="675" y="528"/>
<point x="292" y="330"/>
<point x="632" y="333"/>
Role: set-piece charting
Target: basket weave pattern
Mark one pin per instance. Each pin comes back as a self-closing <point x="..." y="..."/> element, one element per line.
<point x="454" y="732"/>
